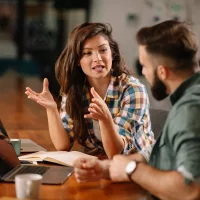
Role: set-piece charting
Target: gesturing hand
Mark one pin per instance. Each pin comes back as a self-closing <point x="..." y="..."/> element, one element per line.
<point x="44" y="98"/>
<point x="98" y="108"/>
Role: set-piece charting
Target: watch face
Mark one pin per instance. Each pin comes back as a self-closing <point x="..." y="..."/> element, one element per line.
<point x="130" y="167"/>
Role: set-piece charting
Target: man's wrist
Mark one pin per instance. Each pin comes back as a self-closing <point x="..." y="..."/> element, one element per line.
<point x="130" y="168"/>
<point x="138" y="157"/>
<point x="106" y="166"/>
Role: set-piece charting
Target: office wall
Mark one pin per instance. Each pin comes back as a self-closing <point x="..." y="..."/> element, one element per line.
<point x="127" y="16"/>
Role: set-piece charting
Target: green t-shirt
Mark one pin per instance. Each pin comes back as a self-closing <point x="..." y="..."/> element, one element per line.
<point x="178" y="147"/>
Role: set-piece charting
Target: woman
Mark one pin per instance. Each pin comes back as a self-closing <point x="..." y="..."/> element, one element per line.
<point x="103" y="107"/>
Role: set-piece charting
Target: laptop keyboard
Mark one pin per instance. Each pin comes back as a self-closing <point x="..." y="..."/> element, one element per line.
<point x="30" y="169"/>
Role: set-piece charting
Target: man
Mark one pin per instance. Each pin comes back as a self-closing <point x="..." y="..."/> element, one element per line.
<point x="168" y="54"/>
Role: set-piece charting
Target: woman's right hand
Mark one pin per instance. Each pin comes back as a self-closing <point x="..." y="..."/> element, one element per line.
<point x="44" y="98"/>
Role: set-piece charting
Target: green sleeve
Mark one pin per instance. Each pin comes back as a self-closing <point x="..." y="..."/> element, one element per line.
<point x="185" y="140"/>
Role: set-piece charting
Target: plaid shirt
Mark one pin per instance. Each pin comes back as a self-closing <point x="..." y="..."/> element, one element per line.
<point x="128" y="103"/>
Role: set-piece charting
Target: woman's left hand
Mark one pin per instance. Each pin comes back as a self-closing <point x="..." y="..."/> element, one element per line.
<point x="98" y="108"/>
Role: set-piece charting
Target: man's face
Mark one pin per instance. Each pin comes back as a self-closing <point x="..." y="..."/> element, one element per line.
<point x="158" y="88"/>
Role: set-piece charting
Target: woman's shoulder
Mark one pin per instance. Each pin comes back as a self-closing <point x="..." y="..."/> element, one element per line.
<point x="126" y="80"/>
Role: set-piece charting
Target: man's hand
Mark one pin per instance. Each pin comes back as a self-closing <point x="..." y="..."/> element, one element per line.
<point x="117" y="168"/>
<point x="90" y="169"/>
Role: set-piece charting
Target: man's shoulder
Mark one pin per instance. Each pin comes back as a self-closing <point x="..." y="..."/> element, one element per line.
<point x="183" y="117"/>
<point x="189" y="101"/>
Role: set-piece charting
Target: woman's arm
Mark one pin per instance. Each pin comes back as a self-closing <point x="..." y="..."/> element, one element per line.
<point x="59" y="137"/>
<point x="57" y="132"/>
<point x="112" y="142"/>
<point x="132" y="123"/>
<point x="131" y="128"/>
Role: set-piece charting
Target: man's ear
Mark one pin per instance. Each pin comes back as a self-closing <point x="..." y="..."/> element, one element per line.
<point x="162" y="72"/>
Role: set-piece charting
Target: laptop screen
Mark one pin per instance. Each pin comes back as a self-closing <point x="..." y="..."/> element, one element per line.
<point x="8" y="157"/>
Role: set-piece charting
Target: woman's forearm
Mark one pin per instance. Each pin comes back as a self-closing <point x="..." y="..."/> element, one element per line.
<point x="112" y="142"/>
<point x="57" y="132"/>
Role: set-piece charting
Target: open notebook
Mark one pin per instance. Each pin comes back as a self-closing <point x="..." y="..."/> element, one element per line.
<point x="58" y="157"/>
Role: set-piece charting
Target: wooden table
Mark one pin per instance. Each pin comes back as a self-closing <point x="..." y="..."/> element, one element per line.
<point x="102" y="189"/>
<point x="25" y="119"/>
<point x="72" y="190"/>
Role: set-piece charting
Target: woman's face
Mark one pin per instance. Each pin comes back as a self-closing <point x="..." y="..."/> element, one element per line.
<point x="96" y="60"/>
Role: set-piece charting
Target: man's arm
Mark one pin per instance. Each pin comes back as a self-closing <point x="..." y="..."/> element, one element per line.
<point x="91" y="169"/>
<point x="163" y="184"/>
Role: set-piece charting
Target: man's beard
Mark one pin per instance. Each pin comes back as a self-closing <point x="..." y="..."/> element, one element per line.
<point x="158" y="89"/>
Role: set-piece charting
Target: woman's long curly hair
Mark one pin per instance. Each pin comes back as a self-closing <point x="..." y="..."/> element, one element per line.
<point x="71" y="77"/>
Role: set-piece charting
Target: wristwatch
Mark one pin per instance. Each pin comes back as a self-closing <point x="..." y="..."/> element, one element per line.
<point x="130" y="168"/>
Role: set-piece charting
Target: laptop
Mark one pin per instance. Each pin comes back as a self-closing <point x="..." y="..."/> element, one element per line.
<point x="10" y="166"/>
<point x="27" y="145"/>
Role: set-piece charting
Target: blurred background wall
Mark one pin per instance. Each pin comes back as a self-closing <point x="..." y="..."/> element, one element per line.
<point x="34" y="32"/>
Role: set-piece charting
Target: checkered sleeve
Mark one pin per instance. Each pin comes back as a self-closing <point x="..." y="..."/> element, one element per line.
<point x="67" y="121"/>
<point x="133" y="121"/>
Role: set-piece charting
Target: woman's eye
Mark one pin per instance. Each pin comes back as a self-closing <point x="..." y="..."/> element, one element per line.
<point x="103" y="50"/>
<point x="86" y="53"/>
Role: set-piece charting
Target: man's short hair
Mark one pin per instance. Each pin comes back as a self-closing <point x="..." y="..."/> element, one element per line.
<point x="172" y="40"/>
